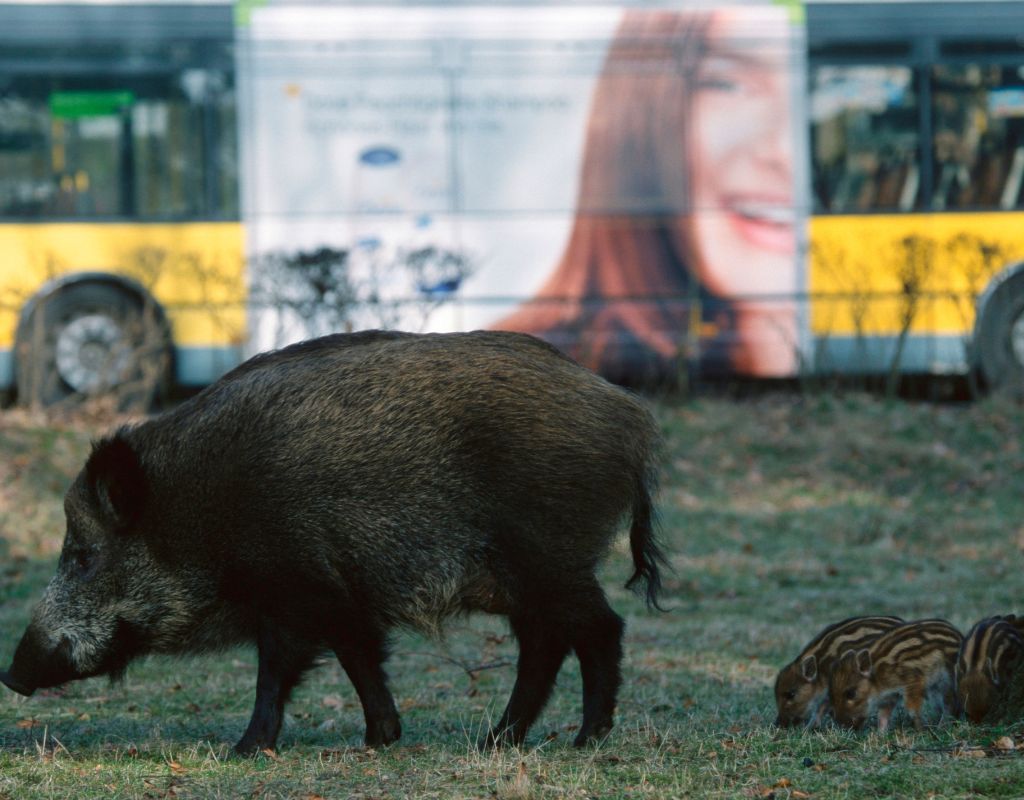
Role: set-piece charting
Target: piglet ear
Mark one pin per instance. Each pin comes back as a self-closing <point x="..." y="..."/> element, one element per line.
<point x="990" y="668"/>
<point x="117" y="482"/>
<point x="864" y="662"/>
<point x="809" y="668"/>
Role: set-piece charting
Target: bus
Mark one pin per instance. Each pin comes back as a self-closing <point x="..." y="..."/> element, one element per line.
<point x="122" y="247"/>
<point x="766" y="189"/>
<point x="916" y="119"/>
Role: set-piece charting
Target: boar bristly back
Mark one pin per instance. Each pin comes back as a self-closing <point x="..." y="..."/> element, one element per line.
<point x="317" y="497"/>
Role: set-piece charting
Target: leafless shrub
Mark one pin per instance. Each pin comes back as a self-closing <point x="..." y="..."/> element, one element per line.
<point x="913" y="262"/>
<point x="975" y="261"/>
<point x="327" y="290"/>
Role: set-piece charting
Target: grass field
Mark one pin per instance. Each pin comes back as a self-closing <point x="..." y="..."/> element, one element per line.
<point x="781" y="515"/>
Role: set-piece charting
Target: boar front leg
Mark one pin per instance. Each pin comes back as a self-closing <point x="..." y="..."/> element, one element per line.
<point x="282" y="661"/>
<point x="362" y="658"/>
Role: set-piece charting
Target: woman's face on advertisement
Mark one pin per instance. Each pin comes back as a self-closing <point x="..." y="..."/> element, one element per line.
<point x="742" y="230"/>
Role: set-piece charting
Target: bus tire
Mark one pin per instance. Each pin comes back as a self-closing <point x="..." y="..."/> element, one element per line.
<point x="999" y="335"/>
<point x="93" y="338"/>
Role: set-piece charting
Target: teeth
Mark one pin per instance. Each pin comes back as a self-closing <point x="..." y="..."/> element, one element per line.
<point x="777" y="215"/>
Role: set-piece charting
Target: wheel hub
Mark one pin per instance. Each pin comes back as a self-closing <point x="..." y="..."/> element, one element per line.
<point x="91" y="353"/>
<point x="1017" y="339"/>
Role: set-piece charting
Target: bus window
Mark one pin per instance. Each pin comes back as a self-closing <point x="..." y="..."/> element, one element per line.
<point x="864" y="138"/>
<point x="184" y="146"/>
<point x="25" y="175"/>
<point x="978" y="148"/>
<point x="160" y="147"/>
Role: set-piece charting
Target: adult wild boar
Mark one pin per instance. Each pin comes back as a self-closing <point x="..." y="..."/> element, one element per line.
<point x="319" y="496"/>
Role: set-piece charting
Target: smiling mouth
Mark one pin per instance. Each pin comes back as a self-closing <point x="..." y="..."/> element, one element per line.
<point x="768" y="225"/>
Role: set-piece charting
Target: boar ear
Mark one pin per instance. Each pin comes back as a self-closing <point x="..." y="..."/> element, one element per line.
<point x="809" y="668"/>
<point x="864" y="662"/>
<point x="116" y="480"/>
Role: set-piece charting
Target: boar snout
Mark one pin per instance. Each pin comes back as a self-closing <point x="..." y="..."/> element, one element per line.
<point x="976" y="712"/>
<point x="37" y="666"/>
<point x="15" y="686"/>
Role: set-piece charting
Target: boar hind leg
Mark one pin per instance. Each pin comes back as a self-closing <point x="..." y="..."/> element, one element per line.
<point x="363" y="661"/>
<point x="544" y="643"/>
<point x="282" y="661"/>
<point x="597" y="641"/>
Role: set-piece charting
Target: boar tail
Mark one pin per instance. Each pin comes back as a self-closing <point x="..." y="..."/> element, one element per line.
<point x="643" y="543"/>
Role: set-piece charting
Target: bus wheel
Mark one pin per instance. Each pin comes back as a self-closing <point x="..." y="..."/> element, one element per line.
<point x="93" y="339"/>
<point x="999" y="336"/>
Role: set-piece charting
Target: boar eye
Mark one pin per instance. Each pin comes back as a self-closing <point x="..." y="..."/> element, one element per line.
<point x="850" y="694"/>
<point x="791" y="694"/>
<point x="82" y="561"/>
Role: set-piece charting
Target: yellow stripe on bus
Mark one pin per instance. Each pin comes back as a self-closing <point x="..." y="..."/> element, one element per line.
<point x="194" y="270"/>
<point x="869" y="275"/>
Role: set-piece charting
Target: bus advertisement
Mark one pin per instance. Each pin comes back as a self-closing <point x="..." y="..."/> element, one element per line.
<point x="765" y="189"/>
<point x="621" y="182"/>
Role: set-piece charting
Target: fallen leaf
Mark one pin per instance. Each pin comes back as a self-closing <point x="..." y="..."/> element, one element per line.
<point x="27" y="723"/>
<point x="799" y="795"/>
<point x="270" y="754"/>
<point x="1004" y="743"/>
<point x="176" y="768"/>
<point x="782" y="783"/>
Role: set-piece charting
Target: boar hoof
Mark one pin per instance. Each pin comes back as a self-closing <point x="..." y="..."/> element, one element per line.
<point x="384" y="733"/>
<point x="595" y="735"/>
<point x="248" y="748"/>
<point x="496" y="739"/>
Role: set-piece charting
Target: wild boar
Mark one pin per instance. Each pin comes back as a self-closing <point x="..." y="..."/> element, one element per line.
<point x="318" y="497"/>
<point x="989" y="658"/>
<point x="801" y="687"/>
<point x="910" y="662"/>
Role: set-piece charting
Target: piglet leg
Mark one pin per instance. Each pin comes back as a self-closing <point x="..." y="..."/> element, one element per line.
<point x="884" y="716"/>
<point x="914" y="701"/>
